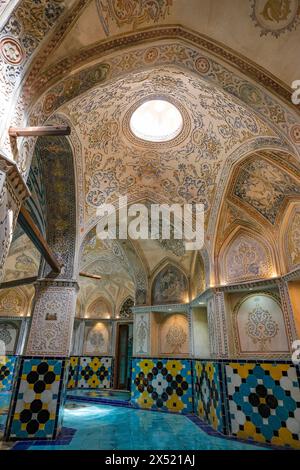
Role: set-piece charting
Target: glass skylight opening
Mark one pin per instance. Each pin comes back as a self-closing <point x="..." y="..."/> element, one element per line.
<point x="156" y="121"/>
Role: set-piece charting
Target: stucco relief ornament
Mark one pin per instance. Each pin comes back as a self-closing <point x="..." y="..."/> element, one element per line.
<point x="275" y="16"/>
<point x="141" y="334"/>
<point x="11" y="51"/>
<point x="5" y="335"/>
<point x="176" y="337"/>
<point x="10" y="304"/>
<point x="96" y="339"/>
<point x="261" y="328"/>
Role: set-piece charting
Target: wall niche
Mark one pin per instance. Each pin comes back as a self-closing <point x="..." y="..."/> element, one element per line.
<point x="170" y="335"/>
<point x="259" y="327"/>
<point x="97" y="338"/>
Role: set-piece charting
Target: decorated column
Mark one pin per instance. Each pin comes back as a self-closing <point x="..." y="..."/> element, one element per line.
<point x="217" y="324"/>
<point x="37" y="407"/>
<point x="39" y="393"/>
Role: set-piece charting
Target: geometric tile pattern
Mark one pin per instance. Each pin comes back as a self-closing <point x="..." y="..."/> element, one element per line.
<point x="162" y="384"/>
<point x="95" y="372"/>
<point x="264" y="402"/>
<point x="7" y="367"/>
<point x="36" y="406"/>
<point x="207" y="396"/>
<point x="73" y="364"/>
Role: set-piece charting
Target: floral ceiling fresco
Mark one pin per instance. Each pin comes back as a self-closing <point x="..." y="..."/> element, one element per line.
<point x="264" y="186"/>
<point x="132" y="12"/>
<point x="113" y="164"/>
<point x="245" y="258"/>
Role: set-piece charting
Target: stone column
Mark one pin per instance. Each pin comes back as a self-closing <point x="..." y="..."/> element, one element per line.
<point x="37" y="407"/>
<point x="217" y="325"/>
<point x="13" y="191"/>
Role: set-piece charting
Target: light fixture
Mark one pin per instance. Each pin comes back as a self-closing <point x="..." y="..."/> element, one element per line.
<point x="156" y="120"/>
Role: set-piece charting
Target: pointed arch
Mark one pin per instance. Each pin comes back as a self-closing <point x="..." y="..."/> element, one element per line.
<point x="169" y="284"/>
<point x="245" y="255"/>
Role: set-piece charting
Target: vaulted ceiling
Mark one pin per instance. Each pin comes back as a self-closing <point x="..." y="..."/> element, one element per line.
<point x="227" y="66"/>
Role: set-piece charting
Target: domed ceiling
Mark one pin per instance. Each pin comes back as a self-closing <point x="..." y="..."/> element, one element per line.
<point x="226" y="66"/>
<point x="185" y="169"/>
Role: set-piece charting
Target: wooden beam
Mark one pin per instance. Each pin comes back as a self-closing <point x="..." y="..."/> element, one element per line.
<point x="91" y="276"/>
<point x="18" y="282"/>
<point x="38" y="131"/>
<point x="33" y="232"/>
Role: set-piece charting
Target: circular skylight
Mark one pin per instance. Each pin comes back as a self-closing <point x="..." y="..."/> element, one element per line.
<point x="156" y="121"/>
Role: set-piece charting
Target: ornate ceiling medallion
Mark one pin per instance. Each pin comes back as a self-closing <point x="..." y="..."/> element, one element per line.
<point x="11" y="50"/>
<point x="156" y="122"/>
<point x="275" y="16"/>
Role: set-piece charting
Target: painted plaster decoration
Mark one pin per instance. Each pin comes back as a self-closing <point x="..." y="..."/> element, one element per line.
<point x="246" y="258"/>
<point x="293" y="240"/>
<point x="134" y="13"/>
<point x="176" y="337"/>
<point x="11" y="302"/>
<point x="142" y="334"/>
<point x="57" y="168"/>
<point x="125" y="311"/>
<point x="259" y="326"/>
<point x="97" y="338"/>
<point x="23" y="258"/>
<point x="275" y="17"/>
<point x="169" y="286"/>
<point x="183" y="173"/>
<point x="5" y="335"/>
<point x="52" y="337"/>
<point x="99" y="308"/>
<point x="11" y="50"/>
<point x="9" y="335"/>
<point x="264" y="187"/>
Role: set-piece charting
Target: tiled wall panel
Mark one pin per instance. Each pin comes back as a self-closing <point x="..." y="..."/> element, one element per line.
<point x="7" y="367"/>
<point x="73" y="368"/>
<point x="208" y="393"/>
<point x="39" y="397"/>
<point x="162" y="384"/>
<point x="264" y="402"/>
<point x="95" y="372"/>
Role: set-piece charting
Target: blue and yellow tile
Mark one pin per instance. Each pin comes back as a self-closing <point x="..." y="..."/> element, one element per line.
<point x="162" y="384"/>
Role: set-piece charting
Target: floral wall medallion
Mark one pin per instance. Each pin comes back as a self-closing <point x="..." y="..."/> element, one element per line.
<point x="246" y="258"/>
<point x="259" y="326"/>
<point x="174" y="335"/>
<point x="132" y="12"/>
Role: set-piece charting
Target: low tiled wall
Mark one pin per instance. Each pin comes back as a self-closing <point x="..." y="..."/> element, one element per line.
<point x="7" y="368"/>
<point x="90" y="372"/>
<point x="252" y="400"/>
<point x="208" y="394"/>
<point x="162" y="384"/>
<point x="263" y="400"/>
